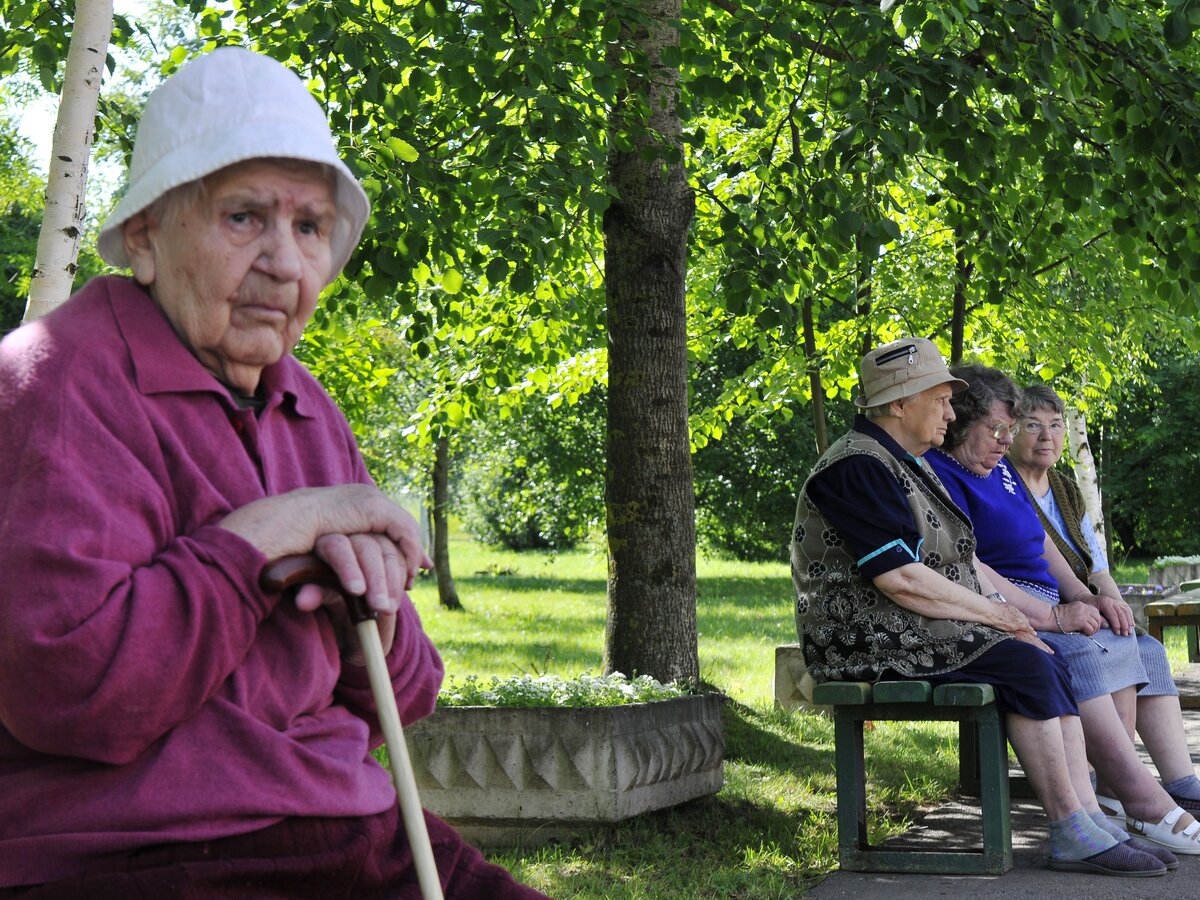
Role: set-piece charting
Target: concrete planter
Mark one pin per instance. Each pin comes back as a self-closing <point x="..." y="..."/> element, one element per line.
<point x="499" y="774"/>
<point x="793" y="685"/>
<point x="1175" y="574"/>
<point x="1138" y="595"/>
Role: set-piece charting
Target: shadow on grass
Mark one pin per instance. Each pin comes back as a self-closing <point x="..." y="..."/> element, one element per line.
<point x="751" y="739"/>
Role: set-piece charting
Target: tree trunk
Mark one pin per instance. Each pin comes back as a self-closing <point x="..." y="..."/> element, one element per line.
<point x="1085" y="470"/>
<point x="820" y="425"/>
<point x="66" y="185"/>
<point x="649" y="494"/>
<point x="958" y="320"/>
<point x="447" y="592"/>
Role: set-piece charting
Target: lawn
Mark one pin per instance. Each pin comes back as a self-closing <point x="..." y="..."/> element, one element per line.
<point x="771" y="832"/>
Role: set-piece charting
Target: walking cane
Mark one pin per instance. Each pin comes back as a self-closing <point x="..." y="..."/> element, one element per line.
<point x="292" y="571"/>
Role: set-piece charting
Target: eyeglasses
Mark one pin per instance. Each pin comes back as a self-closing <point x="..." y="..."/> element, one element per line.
<point x="999" y="430"/>
<point x="1033" y="426"/>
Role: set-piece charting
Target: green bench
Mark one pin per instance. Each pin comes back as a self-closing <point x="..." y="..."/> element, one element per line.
<point x="983" y="770"/>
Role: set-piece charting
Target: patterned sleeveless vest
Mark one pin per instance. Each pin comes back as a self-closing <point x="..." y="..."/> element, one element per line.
<point x="851" y="631"/>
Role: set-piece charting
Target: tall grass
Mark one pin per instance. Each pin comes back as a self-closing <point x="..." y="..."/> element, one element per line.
<point x="771" y="831"/>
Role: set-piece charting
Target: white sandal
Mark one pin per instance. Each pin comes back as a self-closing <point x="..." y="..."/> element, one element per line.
<point x="1168" y="833"/>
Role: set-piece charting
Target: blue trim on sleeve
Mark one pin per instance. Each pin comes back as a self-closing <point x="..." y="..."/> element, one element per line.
<point x="896" y="543"/>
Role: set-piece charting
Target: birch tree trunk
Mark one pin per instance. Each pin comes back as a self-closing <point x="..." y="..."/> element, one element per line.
<point x="66" y="184"/>
<point x="649" y="494"/>
<point x="1085" y="470"/>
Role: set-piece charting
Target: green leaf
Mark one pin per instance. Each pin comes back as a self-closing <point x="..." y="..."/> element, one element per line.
<point x="1177" y="29"/>
<point x="403" y="149"/>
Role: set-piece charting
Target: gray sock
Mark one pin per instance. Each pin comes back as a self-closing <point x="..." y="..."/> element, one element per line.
<point x="1115" y="830"/>
<point x="1188" y="786"/>
<point x="1078" y="837"/>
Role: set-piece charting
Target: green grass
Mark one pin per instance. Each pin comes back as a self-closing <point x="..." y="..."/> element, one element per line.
<point x="1133" y="570"/>
<point x="771" y="831"/>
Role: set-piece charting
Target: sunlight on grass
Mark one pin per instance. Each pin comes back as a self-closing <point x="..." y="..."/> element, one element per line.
<point x="543" y="613"/>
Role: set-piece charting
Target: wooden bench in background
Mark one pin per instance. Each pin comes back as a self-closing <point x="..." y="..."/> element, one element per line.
<point x="1183" y="611"/>
<point x="983" y="770"/>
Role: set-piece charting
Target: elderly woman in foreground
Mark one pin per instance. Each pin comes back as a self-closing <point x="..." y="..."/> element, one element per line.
<point x="1035" y="450"/>
<point x="886" y="587"/>
<point x="1093" y="634"/>
<point x="170" y="728"/>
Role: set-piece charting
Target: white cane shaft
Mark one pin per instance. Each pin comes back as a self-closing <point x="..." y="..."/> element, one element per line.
<point x="402" y="772"/>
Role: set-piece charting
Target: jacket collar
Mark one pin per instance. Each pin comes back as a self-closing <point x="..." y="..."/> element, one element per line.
<point x="162" y="364"/>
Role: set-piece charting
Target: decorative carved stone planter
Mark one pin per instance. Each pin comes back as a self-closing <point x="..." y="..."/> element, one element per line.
<point x="1173" y="574"/>
<point x="498" y="774"/>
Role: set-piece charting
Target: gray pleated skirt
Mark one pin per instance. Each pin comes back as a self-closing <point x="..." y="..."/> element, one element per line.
<point x="1094" y="672"/>
<point x="1158" y="670"/>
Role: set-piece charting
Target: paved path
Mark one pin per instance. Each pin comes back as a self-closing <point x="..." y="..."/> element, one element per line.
<point x="957" y="823"/>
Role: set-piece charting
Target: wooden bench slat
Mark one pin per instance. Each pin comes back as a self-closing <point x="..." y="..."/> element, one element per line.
<point x="964" y="694"/>
<point x="902" y="692"/>
<point x="842" y="693"/>
<point x="1161" y="608"/>
<point x="1190" y="608"/>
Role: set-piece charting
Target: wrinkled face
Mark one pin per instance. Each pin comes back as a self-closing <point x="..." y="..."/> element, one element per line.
<point x="1040" y="447"/>
<point x="925" y="418"/>
<point x="982" y="450"/>
<point x="238" y="272"/>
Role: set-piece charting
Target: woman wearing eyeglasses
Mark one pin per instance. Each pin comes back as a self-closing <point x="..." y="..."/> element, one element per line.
<point x="1092" y="633"/>
<point x="1035" y="450"/>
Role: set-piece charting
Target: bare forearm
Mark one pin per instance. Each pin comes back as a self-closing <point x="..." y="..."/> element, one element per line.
<point x="1038" y="612"/>
<point x="1106" y="584"/>
<point x="925" y="592"/>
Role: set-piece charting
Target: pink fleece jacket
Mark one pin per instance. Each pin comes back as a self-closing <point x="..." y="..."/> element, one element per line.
<point x="150" y="691"/>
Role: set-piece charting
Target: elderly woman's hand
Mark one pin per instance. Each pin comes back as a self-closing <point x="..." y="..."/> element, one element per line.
<point x="1011" y="620"/>
<point x="1081" y="617"/>
<point x="372" y="545"/>
<point x="1117" y="613"/>
<point x="366" y="564"/>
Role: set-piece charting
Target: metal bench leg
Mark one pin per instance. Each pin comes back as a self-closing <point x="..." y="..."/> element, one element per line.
<point x="993" y="792"/>
<point x="851" y="785"/>
<point x="968" y="757"/>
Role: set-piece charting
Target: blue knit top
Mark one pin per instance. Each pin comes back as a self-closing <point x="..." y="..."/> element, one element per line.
<point x="1010" y="534"/>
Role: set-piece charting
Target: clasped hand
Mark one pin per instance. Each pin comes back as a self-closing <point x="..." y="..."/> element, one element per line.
<point x="1014" y="622"/>
<point x="370" y="543"/>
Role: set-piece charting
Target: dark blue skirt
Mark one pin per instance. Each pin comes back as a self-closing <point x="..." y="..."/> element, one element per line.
<point x="1027" y="681"/>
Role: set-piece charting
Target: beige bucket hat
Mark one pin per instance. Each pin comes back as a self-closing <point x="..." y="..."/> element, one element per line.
<point x="226" y="107"/>
<point x="901" y="369"/>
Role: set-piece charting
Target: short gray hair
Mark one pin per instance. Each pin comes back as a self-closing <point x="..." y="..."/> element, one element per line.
<point x="878" y="411"/>
<point x="1042" y="396"/>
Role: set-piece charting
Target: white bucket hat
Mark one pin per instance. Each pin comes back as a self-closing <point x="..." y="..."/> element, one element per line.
<point x="225" y="107"/>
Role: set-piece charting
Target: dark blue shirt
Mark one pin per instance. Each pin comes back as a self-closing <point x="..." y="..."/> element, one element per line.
<point x="861" y="498"/>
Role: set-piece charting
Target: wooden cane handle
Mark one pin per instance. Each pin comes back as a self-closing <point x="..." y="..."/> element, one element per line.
<point x="293" y="571"/>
